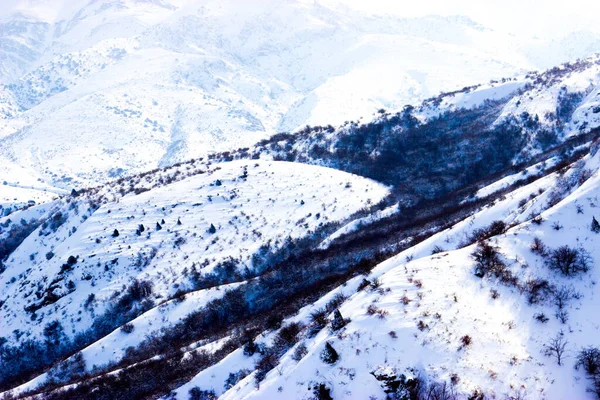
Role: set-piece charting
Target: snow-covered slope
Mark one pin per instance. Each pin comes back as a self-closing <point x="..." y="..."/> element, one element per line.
<point x="431" y="316"/>
<point x="101" y="89"/>
<point x="199" y="232"/>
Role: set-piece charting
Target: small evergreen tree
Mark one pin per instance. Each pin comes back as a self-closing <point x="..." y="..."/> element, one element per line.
<point x="338" y="321"/>
<point x="158" y="227"/>
<point x="178" y="221"/>
<point x="212" y="229"/>
<point x="595" y="225"/>
<point x="322" y="392"/>
<point x="329" y="355"/>
<point x="162" y="221"/>
<point x="115" y="233"/>
<point x="141" y="228"/>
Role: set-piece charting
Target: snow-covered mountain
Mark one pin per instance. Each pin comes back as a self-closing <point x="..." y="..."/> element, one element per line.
<point x="99" y="89"/>
<point x="243" y="275"/>
<point x="159" y="239"/>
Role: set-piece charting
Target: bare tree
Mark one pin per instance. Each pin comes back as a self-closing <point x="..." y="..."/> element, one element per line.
<point x="569" y="261"/>
<point x="556" y="347"/>
<point x="563" y="295"/>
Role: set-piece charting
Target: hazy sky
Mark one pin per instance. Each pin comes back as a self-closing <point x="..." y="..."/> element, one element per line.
<point x="545" y="19"/>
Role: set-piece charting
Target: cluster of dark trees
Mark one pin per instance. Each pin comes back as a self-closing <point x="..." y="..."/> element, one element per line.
<point x="420" y="160"/>
<point x="14" y="237"/>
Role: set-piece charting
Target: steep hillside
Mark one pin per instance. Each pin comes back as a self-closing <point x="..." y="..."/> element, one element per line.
<point x="78" y="268"/>
<point x="449" y="319"/>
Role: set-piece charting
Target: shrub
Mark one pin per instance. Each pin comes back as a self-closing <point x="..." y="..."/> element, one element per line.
<point x="563" y="295"/>
<point x="274" y="322"/>
<point x="466" y="341"/>
<point x="17" y="234"/>
<point x="67" y="370"/>
<point x="337" y="300"/>
<point x="562" y="316"/>
<point x="267" y="362"/>
<point x="127" y="328"/>
<point x="487" y="260"/>
<point x="496" y="228"/>
<point x="437" y="249"/>
<point x="90" y="299"/>
<point x="372" y="309"/>
<point x="538" y="290"/>
<point x="250" y="348"/>
<point x="338" y="321"/>
<point x="541" y="317"/>
<point x="569" y="261"/>
<point x="538" y="247"/>
<point x="56" y="221"/>
<point x="234" y="378"/>
<point x="318" y="321"/>
<point x="198" y="394"/>
<point x="299" y="352"/>
<point x="589" y="359"/>
<point x="321" y="392"/>
<point x="140" y="290"/>
<point x="556" y="348"/>
<point x="287" y="336"/>
<point x="329" y="355"/>
<point x="400" y="387"/>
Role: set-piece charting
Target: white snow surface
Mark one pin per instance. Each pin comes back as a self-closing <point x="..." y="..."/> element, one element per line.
<point x="250" y="203"/>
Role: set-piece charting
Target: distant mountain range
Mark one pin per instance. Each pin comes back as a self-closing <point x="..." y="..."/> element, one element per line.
<point x="96" y="90"/>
